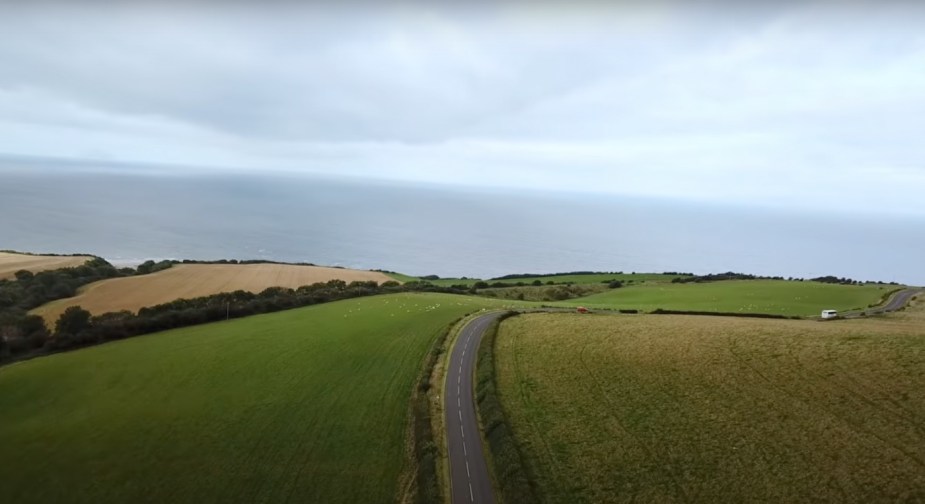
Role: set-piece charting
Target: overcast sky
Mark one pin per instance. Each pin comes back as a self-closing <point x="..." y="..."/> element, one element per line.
<point x="800" y="104"/>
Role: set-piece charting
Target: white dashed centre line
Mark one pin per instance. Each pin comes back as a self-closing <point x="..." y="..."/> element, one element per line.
<point x="471" y="497"/>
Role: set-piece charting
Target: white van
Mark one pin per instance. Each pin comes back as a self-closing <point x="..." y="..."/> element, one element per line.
<point x="827" y="314"/>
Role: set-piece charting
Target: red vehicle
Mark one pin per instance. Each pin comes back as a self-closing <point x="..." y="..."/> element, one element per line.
<point x="582" y="309"/>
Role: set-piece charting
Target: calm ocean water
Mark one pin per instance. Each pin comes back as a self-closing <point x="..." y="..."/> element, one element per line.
<point x="430" y="230"/>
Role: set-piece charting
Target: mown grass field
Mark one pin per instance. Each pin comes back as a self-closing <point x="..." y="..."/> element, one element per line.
<point x="744" y="296"/>
<point x="194" y="280"/>
<point x="10" y="263"/>
<point x="306" y="405"/>
<point x="648" y="408"/>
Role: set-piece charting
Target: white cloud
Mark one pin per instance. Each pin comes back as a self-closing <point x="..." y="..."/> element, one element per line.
<point x="807" y="105"/>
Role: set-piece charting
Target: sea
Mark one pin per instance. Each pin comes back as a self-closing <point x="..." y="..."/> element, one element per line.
<point x="133" y="215"/>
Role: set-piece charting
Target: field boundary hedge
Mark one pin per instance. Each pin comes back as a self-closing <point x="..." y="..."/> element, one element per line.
<point x="506" y="461"/>
<point x="424" y="486"/>
<point x="886" y="297"/>
<point x="660" y="311"/>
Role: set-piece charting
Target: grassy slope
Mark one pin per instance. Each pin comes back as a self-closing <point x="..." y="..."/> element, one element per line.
<point x="577" y="279"/>
<point x="747" y="296"/>
<point x="598" y="278"/>
<point x="673" y="408"/>
<point x="402" y="278"/>
<point x="306" y="405"/>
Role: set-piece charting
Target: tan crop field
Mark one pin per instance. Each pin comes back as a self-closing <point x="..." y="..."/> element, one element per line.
<point x="654" y="408"/>
<point x="194" y="280"/>
<point x="10" y="263"/>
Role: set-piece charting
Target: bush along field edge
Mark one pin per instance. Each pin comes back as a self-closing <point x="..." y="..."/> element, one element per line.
<point x="420" y="482"/>
<point x="511" y="477"/>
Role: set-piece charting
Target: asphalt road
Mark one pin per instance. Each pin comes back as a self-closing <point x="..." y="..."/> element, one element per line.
<point x="895" y="302"/>
<point x="469" y="480"/>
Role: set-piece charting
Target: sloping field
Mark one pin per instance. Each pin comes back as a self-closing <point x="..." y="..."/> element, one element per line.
<point x="306" y="405"/>
<point x="655" y="408"/>
<point x="194" y="280"/>
<point x="594" y="278"/>
<point x="10" y="263"/>
<point x="745" y="296"/>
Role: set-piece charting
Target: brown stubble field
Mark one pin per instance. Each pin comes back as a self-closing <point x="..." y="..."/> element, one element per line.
<point x="194" y="280"/>
<point x="10" y="263"/>
<point x="709" y="409"/>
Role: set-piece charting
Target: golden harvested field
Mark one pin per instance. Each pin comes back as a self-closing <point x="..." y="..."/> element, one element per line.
<point x="194" y="280"/>
<point x="707" y="409"/>
<point x="10" y="263"/>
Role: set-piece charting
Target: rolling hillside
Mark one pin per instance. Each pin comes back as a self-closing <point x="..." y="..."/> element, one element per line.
<point x="11" y="262"/>
<point x="306" y="405"/>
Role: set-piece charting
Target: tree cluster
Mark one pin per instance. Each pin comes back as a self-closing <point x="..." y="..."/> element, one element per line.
<point x="21" y="332"/>
<point x="517" y="276"/>
<point x="716" y="277"/>
<point x="835" y="280"/>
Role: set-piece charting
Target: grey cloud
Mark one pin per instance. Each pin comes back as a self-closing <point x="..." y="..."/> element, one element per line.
<point x="738" y="102"/>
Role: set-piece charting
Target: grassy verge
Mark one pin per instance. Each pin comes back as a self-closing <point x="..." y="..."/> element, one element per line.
<point x="510" y="474"/>
<point x="423" y="481"/>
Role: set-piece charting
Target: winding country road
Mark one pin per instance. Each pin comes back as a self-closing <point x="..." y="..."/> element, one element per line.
<point x="897" y="300"/>
<point x="469" y="480"/>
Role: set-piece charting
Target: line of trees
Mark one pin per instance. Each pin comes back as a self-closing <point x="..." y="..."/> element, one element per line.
<point x="716" y="277"/>
<point x="729" y="275"/>
<point x="78" y="328"/>
<point x="23" y="333"/>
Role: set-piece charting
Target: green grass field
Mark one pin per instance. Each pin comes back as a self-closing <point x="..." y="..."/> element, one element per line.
<point x="646" y="408"/>
<point x="745" y="296"/>
<point x="403" y="278"/>
<point x="307" y="405"/>
<point x="576" y="279"/>
<point x="599" y="278"/>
